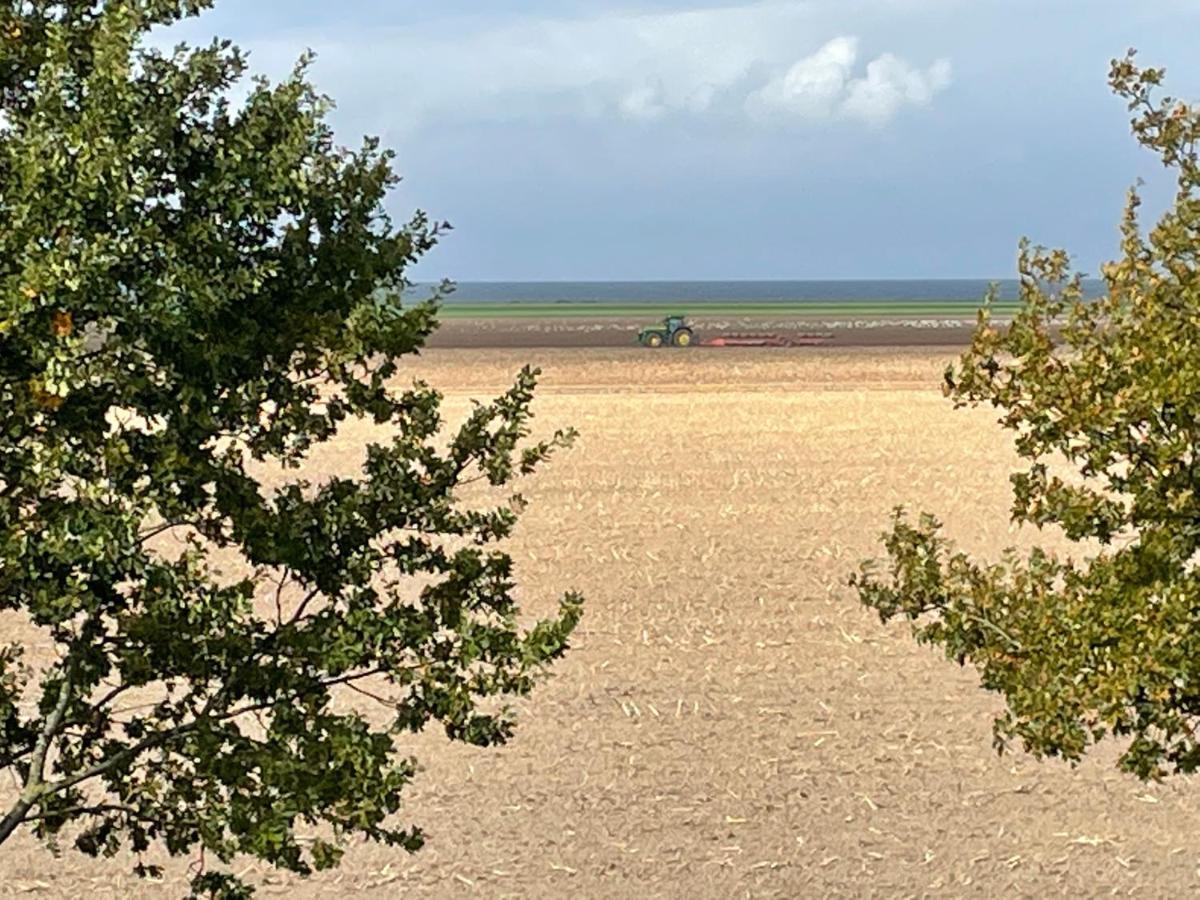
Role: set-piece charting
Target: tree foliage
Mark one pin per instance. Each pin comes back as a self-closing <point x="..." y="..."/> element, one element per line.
<point x="1103" y="397"/>
<point x="189" y="302"/>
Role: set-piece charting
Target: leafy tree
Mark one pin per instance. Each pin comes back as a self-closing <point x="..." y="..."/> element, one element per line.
<point x="1106" y="393"/>
<point x="189" y="304"/>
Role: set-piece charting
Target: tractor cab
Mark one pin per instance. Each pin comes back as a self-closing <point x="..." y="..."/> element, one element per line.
<point x="674" y="331"/>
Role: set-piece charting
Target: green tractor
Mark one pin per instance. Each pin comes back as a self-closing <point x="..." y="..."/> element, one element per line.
<point x="673" y="331"/>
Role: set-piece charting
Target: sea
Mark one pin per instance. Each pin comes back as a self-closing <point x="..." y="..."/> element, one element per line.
<point x="949" y="290"/>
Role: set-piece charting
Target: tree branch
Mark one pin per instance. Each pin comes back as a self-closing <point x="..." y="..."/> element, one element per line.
<point x="34" y="786"/>
<point x="100" y="808"/>
<point x="165" y="737"/>
<point x="14" y="755"/>
<point x="165" y="527"/>
<point x="284" y="578"/>
<point x="303" y="605"/>
<point x="1013" y="642"/>
<point x="389" y="702"/>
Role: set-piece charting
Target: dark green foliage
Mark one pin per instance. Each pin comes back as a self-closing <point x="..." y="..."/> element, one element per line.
<point x="189" y="300"/>
<point x="1108" y="644"/>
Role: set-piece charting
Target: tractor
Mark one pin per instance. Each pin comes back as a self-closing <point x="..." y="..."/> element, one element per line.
<point x="673" y="331"/>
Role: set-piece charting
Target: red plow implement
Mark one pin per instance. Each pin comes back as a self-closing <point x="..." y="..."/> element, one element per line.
<point x="767" y="340"/>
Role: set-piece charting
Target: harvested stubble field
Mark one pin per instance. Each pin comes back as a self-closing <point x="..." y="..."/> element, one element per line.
<point x="730" y="722"/>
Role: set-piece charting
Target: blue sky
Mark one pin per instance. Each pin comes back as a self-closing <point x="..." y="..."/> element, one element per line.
<point x="661" y="139"/>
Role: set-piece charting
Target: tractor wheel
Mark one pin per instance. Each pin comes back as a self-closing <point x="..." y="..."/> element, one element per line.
<point x="682" y="337"/>
<point x="654" y="340"/>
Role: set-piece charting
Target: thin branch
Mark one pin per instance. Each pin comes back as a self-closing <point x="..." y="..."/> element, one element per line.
<point x="166" y="526"/>
<point x="129" y="709"/>
<point x="1013" y="642"/>
<point x="19" y="752"/>
<point x="107" y="698"/>
<point x="312" y="595"/>
<point x="93" y="709"/>
<point x="384" y="701"/>
<point x="284" y="577"/>
<point x="100" y="808"/>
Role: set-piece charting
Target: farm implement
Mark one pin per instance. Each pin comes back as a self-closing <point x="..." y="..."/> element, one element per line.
<point x="675" y="332"/>
<point x="767" y="340"/>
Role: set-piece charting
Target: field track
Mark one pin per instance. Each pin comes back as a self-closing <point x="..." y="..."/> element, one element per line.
<point x="617" y="331"/>
<point x="731" y="723"/>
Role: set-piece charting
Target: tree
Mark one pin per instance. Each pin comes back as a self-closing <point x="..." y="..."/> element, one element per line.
<point x="189" y="300"/>
<point x="1107" y="392"/>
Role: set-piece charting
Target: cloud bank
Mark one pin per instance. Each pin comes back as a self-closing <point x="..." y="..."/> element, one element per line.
<point x="764" y="62"/>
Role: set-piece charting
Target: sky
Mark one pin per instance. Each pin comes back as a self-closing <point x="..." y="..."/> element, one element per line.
<point x="780" y="139"/>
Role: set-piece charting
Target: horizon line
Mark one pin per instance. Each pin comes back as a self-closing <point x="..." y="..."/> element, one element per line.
<point x="983" y="278"/>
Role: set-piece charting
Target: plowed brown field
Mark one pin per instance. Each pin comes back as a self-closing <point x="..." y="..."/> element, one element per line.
<point x="730" y="722"/>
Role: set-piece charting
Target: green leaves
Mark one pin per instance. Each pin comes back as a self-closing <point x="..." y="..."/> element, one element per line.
<point x="190" y="289"/>
<point x="1107" y="392"/>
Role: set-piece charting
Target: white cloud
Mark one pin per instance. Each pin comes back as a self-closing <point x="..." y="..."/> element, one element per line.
<point x="642" y="103"/>
<point x="892" y="83"/>
<point x="759" y="60"/>
<point x="813" y="86"/>
<point x="823" y="85"/>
